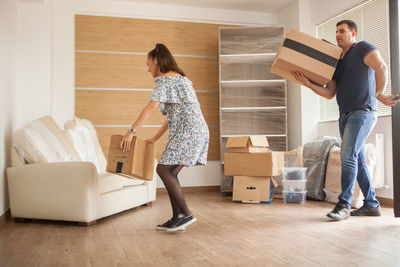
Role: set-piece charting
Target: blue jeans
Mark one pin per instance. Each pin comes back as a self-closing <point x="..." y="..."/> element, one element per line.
<point x="354" y="129"/>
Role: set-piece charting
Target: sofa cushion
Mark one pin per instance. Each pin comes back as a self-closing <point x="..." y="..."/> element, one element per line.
<point x="83" y="145"/>
<point x="83" y="135"/>
<point x="111" y="182"/>
<point x="43" y="141"/>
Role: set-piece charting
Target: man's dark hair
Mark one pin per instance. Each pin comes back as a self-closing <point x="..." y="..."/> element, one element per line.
<point x="351" y="24"/>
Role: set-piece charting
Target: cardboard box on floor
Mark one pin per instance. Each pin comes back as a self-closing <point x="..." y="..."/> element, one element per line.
<point x="254" y="164"/>
<point x="137" y="162"/>
<point x="333" y="186"/>
<point x="315" y="58"/>
<point x="252" y="143"/>
<point x="252" y="189"/>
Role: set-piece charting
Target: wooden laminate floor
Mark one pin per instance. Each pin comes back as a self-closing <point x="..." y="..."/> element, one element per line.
<point x="226" y="234"/>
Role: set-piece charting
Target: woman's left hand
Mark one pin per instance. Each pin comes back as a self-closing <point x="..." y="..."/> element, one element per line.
<point x="151" y="141"/>
<point x="126" y="141"/>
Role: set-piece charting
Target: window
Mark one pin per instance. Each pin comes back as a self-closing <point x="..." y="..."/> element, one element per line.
<point x="372" y="19"/>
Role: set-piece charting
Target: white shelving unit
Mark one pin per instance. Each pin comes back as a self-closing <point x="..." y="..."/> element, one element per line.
<point x="252" y="100"/>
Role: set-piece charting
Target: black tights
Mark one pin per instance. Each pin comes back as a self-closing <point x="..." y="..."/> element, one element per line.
<point x="169" y="176"/>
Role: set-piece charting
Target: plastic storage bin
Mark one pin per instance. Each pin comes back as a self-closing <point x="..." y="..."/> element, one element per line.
<point x="294" y="197"/>
<point x="294" y="185"/>
<point x="294" y="173"/>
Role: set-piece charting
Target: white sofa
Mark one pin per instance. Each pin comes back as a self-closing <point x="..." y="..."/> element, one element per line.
<point x="60" y="175"/>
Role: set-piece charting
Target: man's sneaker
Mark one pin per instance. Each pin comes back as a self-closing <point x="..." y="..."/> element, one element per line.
<point x="181" y="223"/>
<point x="340" y="212"/>
<point x="367" y="210"/>
<point x="166" y="225"/>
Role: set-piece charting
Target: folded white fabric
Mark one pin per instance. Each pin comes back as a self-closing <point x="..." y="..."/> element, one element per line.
<point x="43" y="141"/>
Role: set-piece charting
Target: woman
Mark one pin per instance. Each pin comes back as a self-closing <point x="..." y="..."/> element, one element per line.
<point x="188" y="135"/>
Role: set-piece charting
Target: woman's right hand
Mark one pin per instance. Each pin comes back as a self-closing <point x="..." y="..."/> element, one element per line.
<point x="126" y="141"/>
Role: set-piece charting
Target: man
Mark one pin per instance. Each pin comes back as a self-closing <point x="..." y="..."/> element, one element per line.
<point x="359" y="80"/>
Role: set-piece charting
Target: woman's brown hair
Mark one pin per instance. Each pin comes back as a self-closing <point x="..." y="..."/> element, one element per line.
<point x="165" y="60"/>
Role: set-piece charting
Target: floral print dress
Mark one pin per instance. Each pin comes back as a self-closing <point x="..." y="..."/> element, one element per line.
<point x="188" y="135"/>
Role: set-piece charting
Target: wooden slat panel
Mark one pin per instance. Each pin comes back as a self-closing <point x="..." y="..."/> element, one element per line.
<point x="203" y="72"/>
<point x="104" y="70"/>
<point x="213" y="149"/>
<point x="130" y="71"/>
<point x="209" y="107"/>
<point x="106" y="107"/>
<point x="141" y="35"/>
<point x="104" y="134"/>
<point x="113" y="107"/>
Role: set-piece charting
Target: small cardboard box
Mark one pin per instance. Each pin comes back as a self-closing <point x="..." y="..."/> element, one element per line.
<point x="252" y="144"/>
<point x="252" y="189"/>
<point x="137" y="162"/>
<point x="315" y="58"/>
<point x="254" y="164"/>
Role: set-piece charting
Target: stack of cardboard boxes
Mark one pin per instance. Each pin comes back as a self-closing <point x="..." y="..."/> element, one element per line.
<point x="252" y="166"/>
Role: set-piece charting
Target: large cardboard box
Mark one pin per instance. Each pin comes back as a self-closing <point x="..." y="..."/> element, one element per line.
<point x="254" y="164"/>
<point x="333" y="185"/>
<point x="137" y="162"/>
<point x="252" y="189"/>
<point x="315" y="58"/>
<point x="252" y="144"/>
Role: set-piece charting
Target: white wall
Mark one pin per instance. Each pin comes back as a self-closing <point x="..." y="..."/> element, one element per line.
<point x="8" y="89"/>
<point x="34" y="34"/>
<point x="303" y="103"/>
<point x="289" y="17"/>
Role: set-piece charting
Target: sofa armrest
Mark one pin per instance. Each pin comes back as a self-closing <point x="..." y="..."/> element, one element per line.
<point x="55" y="191"/>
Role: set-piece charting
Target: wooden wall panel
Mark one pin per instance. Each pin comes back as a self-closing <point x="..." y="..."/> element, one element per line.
<point x="130" y="71"/>
<point x="213" y="148"/>
<point x="105" y="133"/>
<point x="111" y="54"/>
<point x="123" y="107"/>
<point x="141" y="35"/>
<point x="209" y="107"/>
<point x="113" y="107"/>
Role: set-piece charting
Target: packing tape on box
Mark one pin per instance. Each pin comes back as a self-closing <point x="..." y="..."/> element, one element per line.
<point x="311" y="52"/>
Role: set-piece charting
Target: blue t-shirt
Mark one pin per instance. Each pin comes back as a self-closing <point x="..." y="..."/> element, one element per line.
<point x="355" y="81"/>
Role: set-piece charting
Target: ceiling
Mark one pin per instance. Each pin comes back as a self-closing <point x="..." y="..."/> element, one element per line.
<point x="270" y="6"/>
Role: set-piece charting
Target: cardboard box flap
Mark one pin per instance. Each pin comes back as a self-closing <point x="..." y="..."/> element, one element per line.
<point x="239" y="141"/>
<point x="258" y="140"/>
<point x="247" y="141"/>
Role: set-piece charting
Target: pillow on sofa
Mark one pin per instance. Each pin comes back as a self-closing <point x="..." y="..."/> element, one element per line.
<point x="43" y="141"/>
<point x="84" y="138"/>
